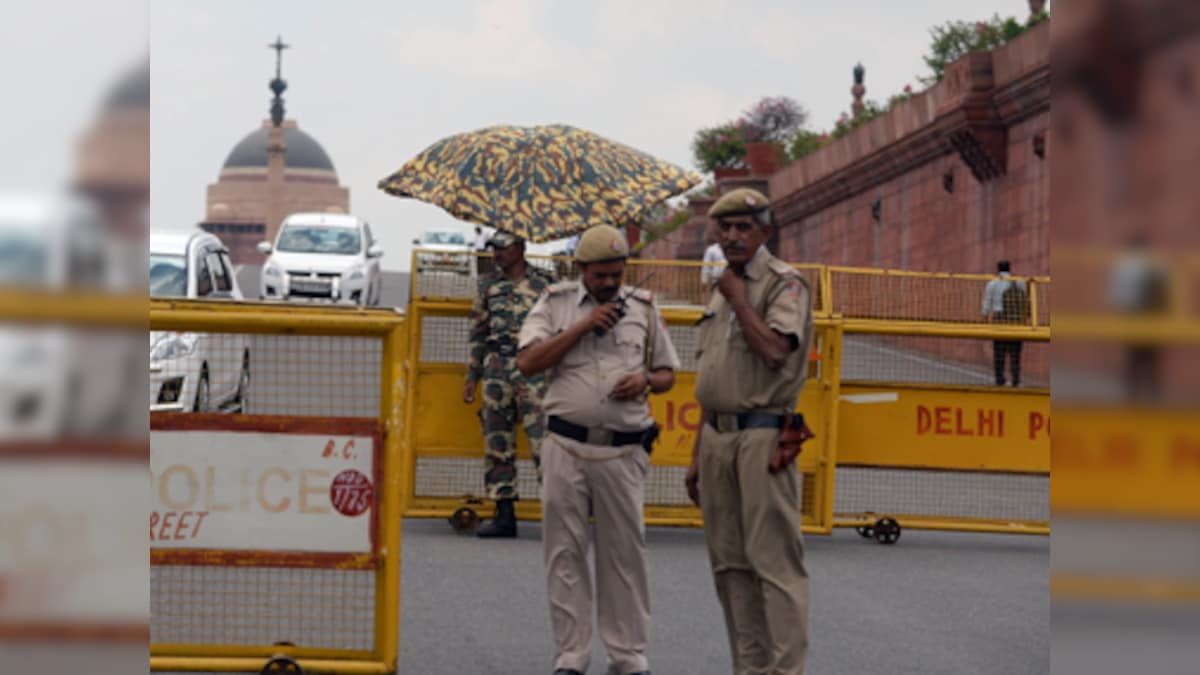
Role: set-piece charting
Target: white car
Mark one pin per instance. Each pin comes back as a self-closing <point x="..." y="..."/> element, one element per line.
<point x="56" y="380"/>
<point x="322" y="256"/>
<point x="444" y="249"/>
<point x="195" y="372"/>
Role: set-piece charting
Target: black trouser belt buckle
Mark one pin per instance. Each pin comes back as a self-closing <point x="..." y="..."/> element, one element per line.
<point x="727" y="422"/>
<point x="592" y="435"/>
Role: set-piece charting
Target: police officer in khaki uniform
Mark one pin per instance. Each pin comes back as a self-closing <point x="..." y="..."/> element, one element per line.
<point x="606" y="348"/>
<point x="754" y="338"/>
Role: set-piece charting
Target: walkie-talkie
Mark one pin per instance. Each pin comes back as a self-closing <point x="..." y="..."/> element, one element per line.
<point x="621" y="300"/>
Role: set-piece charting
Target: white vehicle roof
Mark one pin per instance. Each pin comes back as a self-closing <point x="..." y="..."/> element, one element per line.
<point x="328" y="219"/>
<point x="42" y="212"/>
<point x="176" y="242"/>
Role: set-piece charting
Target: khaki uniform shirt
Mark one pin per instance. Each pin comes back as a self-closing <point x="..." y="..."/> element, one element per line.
<point x="731" y="377"/>
<point x="579" y="385"/>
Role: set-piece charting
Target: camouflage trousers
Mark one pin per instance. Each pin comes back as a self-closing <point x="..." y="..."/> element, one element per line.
<point x="509" y="398"/>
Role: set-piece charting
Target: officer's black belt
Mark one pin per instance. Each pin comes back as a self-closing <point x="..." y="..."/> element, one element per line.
<point x="742" y="421"/>
<point x="593" y="436"/>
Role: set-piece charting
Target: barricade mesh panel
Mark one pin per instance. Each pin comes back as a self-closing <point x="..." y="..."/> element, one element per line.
<point x="318" y="608"/>
<point x="673" y="283"/>
<point x="904" y="296"/>
<point x="939" y="360"/>
<point x="265" y="374"/>
<point x="444" y="339"/>
<point x="950" y="494"/>
<point x="463" y="477"/>
<point x="686" y="340"/>
<point x="456" y="477"/>
<point x="1042" y="289"/>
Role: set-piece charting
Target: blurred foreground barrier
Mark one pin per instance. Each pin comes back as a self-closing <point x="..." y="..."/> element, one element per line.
<point x="1126" y="492"/>
<point x="275" y="527"/>
<point x="72" y="473"/>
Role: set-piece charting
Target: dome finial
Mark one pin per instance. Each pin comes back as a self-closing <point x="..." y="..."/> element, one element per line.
<point x="278" y="85"/>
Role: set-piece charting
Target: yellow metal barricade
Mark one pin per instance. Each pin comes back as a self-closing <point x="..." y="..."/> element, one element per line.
<point x="927" y="438"/>
<point x="277" y="465"/>
<point x="447" y="443"/>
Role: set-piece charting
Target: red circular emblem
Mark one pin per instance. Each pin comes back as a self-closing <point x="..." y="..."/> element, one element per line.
<point x="351" y="493"/>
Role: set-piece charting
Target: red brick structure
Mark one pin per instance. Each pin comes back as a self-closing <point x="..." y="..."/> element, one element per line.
<point x="951" y="180"/>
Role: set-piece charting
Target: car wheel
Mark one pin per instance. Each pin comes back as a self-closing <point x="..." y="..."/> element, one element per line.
<point x="243" y="391"/>
<point x="202" y="402"/>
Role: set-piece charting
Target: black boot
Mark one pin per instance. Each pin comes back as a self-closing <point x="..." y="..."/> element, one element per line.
<point x="502" y="525"/>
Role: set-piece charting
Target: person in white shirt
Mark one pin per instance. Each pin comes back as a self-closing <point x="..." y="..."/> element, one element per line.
<point x="481" y="239"/>
<point x="1001" y="306"/>
<point x="714" y="265"/>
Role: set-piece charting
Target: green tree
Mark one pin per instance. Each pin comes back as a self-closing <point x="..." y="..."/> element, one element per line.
<point x="719" y="147"/>
<point x="954" y="39"/>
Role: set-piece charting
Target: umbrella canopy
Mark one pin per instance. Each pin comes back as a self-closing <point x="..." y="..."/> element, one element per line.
<point x="540" y="183"/>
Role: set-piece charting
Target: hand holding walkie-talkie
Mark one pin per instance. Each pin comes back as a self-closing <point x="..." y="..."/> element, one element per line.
<point x="620" y="301"/>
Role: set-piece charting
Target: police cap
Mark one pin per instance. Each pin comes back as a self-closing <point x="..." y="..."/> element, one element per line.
<point x="503" y="240"/>
<point x="738" y="202"/>
<point x="601" y="243"/>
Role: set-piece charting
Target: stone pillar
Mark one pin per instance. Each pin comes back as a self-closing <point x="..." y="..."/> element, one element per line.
<point x="858" y="89"/>
<point x="276" y="164"/>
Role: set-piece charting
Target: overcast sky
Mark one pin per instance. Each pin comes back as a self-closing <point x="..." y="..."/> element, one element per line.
<point x="58" y="61"/>
<point x="376" y="82"/>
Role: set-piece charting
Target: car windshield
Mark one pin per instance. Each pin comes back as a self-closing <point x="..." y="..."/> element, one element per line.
<point x="168" y="276"/>
<point x="319" y="239"/>
<point x="22" y="258"/>
<point x="444" y="238"/>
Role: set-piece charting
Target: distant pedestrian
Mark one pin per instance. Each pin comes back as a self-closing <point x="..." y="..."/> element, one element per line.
<point x="481" y="240"/>
<point x="1139" y="285"/>
<point x="714" y="265"/>
<point x="1006" y="300"/>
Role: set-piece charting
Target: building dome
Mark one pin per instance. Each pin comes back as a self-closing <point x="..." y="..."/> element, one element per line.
<point x="303" y="151"/>
<point x="131" y="91"/>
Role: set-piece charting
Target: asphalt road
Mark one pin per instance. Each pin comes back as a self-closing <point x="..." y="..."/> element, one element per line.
<point x="933" y="604"/>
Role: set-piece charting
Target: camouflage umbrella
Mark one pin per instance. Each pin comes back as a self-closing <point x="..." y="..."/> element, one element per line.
<point x="540" y="183"/>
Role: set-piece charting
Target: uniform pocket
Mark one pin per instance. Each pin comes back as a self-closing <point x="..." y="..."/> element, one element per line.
<point x="631" y="340"/>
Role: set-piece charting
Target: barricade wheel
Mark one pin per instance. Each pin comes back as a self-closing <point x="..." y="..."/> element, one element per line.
<point x="887" y="531"/>
<point x="282" y="664"/>
<point x="465" y="520"/>
<point x="865" y="531"/>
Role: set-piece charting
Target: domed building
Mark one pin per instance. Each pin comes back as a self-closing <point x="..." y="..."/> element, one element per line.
<point x="274" y="171"/>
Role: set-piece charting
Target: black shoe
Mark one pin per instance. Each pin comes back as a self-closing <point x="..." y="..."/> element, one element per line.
<point x="567" y="671"/>
<point x="503" y="525"/>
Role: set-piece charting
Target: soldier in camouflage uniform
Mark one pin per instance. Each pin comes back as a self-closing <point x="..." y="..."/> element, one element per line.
<point x="505" y="297"/>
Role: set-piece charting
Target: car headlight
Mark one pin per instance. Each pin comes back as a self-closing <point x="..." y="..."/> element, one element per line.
<point x="271" y="271"/>
<point x="174" y="346"/>
<point x="355" y="273"/>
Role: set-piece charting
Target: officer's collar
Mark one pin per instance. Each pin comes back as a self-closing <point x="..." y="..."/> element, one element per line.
<point x="757" y="266"/>
<point x="584" y="295"/>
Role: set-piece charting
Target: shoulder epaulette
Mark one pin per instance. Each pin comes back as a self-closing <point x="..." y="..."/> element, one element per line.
<point x="561" y="287"/>
<point x="643" y="295"/>
<point x="781" y="268"/>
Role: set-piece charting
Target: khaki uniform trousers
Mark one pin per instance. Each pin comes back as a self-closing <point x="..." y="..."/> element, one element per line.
<point x="608" y="482"/>
<point x="752" y="527"/>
